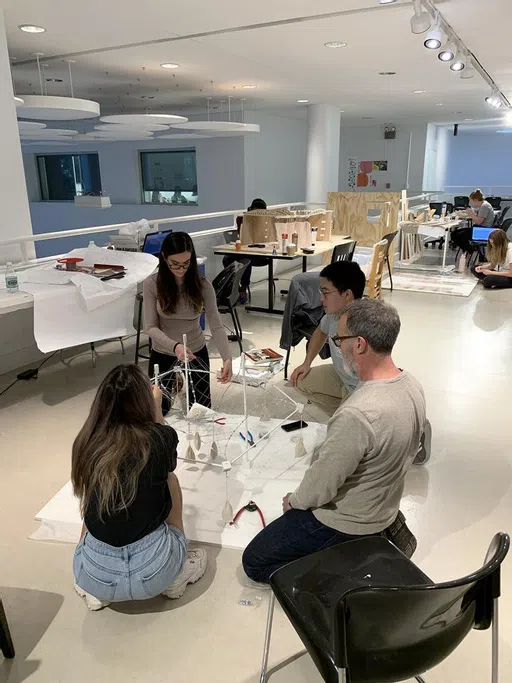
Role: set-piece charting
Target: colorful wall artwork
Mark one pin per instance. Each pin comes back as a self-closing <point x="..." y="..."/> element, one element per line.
<point x="366" y="170"/>
<point x="352" y="173"/>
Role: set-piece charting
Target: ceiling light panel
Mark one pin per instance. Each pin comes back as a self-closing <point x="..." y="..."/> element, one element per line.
<point x="170" y="65"/>
<point x="335" y="44"/>
<point x="31" y="28"/>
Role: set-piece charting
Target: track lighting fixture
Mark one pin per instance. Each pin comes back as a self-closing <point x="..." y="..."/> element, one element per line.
<point x="447" y="52"/>
<point x="494" y="100"/>
<point x="459" y="63"/>
<point x="421" y="21"/>
<point x="434" y="38"/>
<point x="469" y="71"/>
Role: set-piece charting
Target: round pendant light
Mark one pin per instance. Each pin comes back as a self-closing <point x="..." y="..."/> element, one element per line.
<point x="219" y="126"/>
<point x="129" y="127"/>
<point x="52" y="108"/>
<point x="121" y="134"/>
<point x="50" y="132"/>
<point x="183" y="136"/>
<point x="29" y="126"/>
<point x="18" y="101"/>
<point x="131" y="119"/>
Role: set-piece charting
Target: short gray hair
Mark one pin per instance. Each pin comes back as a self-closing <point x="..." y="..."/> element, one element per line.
<point x="376" y="321"/>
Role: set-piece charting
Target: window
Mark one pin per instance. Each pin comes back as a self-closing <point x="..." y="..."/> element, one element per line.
<point x="62" y="176"/>
<point x="169" y="177"/>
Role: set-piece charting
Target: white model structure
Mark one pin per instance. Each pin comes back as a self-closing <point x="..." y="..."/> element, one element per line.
<point x="211" y="449"/>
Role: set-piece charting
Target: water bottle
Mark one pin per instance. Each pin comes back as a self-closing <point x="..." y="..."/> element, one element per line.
<point x="11" y="279"/>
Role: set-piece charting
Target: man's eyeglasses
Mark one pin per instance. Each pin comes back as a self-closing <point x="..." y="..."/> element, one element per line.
<point x="179" y="266"/>
<point x="337" y="340"/>
<point x="326" y="292"/>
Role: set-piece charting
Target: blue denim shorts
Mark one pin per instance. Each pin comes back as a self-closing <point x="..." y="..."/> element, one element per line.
<point x="137" y="571"/>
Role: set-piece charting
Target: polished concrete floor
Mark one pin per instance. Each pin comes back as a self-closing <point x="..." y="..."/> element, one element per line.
<point x="459" y="348"/>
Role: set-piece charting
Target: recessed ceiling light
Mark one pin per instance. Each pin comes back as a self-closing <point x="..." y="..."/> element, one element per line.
<point x="342" y="111"/>
<point x="418" y="92"/>
<point x="386" y="2"/>
<point x="439" y="104"/>
<point x="302" y="101"/>
<point x="170" y="65"/>
<point x="468" y="119"/>
<point x="387" y="73"/>
<point x="335" y="43"/>
<point x="31" y="28"/>
<point x="248" y="87"/>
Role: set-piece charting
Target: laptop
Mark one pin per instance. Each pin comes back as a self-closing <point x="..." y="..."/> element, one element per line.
<point x="153" y="242"/>
<point x="481" y="234"/>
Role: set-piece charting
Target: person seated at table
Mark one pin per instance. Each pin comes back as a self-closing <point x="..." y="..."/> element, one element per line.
<point x="174" y="300"/>
<point x="256" y="204"/>
<point x="330" y="384"/>
<point x="132" y="546"/>
<point x="497" y="274"/>
<point x="482" y="215"/>
<point x="355" y="483"/>
<point x="178" y="197"/>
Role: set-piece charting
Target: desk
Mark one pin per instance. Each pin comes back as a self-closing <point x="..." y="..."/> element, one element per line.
<point x="320" y="248"/>
<point x="433" y="229"/>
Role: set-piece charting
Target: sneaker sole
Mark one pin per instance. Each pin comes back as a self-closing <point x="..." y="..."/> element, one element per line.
<point x="93" y="607"/>
<point x="178" y="592"/>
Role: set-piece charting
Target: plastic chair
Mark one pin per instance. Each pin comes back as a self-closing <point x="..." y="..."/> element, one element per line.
<point x="6" y="644"/>
<point x="389" y="237"/>
<point x="495" y="202"/>
<point x="460" y="202"/>
<point x="375" y="270"/>
<point x="367" y="614"/>
<point x="226" y="285"/>
<point x="343" y="252"/>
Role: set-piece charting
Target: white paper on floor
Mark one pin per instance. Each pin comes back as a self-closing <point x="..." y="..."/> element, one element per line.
<point x="265" y="474"/>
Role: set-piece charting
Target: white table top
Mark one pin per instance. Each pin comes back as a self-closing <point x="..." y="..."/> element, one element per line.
<point x="320" y="248"/>
<point x="14" y="302"/>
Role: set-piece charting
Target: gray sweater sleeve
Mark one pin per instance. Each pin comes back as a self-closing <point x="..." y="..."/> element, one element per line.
<point x="349" y="438"/>
<point x="152" y="319"/>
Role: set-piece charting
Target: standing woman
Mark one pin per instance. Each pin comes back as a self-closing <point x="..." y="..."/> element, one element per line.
<point x="497" y="274"/>
<point x="482" y="215"/>
<point x="132" y="546"/>
<point x="174" y="300"/>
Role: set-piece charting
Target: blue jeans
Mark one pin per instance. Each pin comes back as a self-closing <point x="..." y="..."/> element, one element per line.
<point x="138" y="571"/>
<point x="293" y="535"/>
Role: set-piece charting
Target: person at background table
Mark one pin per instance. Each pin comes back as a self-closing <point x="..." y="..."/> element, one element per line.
<point x="174" y="300"/>
<point x="482" y="215"/>
<point x="355" y="482"/>
<point x="497" y="274"/>
<point x="178" y="197"/>
<point x="132" y="546"/>
<point x="256" y="204"/>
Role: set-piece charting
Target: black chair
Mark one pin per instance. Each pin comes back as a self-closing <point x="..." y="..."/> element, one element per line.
<point x="139" y="302"/>
<point x="343" y="252"/>
<point x="438" y="206"/>
<point x="226" y="285"/>
<point x="367" y="614"/>
<point x="389" y="237"/>
<point x="6" y="644"/>
<point x="495" y="202"/>
<point x="502" y="216"/>
<point x="460" y="202"/>
<point x="507" y="227"/>
<point x="230" y="236"/>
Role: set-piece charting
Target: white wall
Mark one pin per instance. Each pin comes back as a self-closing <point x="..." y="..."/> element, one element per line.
<point x="220" y="179"/>
<point x="437" y="156"/>
<point x="367" y="143"/>
<point x="275" y="160"/>
<point x="13" y="194"/>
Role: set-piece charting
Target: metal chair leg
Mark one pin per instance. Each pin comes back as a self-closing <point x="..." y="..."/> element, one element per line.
<point x="122" y="345"/>
<point x="420" y="679"/>
<point x="495" y="644"/>
<point x="6" y="645"/>
<point x="268" y="633"/>
<point x="137" y="341"/>
<point x="93" y="354"/>
<point x="286" y="363"/>
<point x="342" y="675"/>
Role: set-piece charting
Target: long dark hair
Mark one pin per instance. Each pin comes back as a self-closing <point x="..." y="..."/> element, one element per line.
<point x="113" y="446"/>
<point x="167" y="287"/>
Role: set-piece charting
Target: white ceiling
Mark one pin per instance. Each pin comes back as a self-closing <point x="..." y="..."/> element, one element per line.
<point x="286" y="61"/>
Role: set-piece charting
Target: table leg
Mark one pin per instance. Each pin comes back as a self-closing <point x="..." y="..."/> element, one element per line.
<point x="444" y="269"/>
<point x="304" y="264"/>
<point x="270" y="308"/>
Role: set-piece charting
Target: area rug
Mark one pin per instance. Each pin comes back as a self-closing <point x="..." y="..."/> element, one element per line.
<point x="432" y="283"/>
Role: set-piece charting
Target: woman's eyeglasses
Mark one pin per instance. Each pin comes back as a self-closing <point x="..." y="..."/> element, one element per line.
<point x="179" y="266"/>
<point x="337" y="340"/>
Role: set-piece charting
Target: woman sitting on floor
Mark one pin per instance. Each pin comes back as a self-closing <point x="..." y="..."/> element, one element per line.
<point x="497" y="274"/>
<point x="132" y="546"/>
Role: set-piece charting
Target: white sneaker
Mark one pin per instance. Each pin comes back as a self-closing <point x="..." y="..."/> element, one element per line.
<point x="193" y="569"/>
<point x="92" y="603"/>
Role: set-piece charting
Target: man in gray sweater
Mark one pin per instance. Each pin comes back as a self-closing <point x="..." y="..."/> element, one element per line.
<point x="356" y="478"/>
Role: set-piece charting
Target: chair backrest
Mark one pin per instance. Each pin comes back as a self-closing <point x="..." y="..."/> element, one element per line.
<point x="395" y="633"/>
<point x="461" y="202"/>
<point x="230" y="236"/>
<point x="495" y="202"/>
<point x="343" y="252"/>
<point x="501" y="216"/>
<point x="227" y="283"/>
<point x="507" y="227"/>
<point x="374" y="280"/>
<point x="390" y="237"/>
<point x="438" y="206"/>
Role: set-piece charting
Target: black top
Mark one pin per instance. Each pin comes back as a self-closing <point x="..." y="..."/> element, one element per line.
<point x="152" y="502"/>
